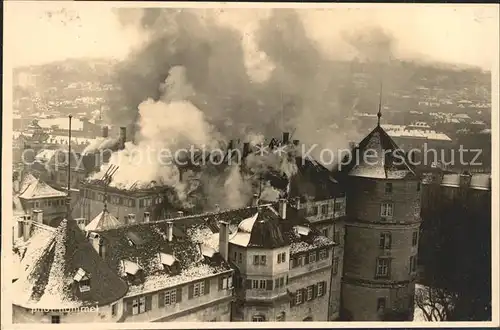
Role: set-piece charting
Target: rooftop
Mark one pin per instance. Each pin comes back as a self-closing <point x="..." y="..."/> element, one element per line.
<point x="38" y="189"/>
<point x="51" y="259"/>
<point x="377" y="156"/>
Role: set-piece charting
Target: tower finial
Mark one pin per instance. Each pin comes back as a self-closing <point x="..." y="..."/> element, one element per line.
<point x="379" y="114"/>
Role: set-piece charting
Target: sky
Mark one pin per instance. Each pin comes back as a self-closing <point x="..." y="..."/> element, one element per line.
<point x="37" y="32"/>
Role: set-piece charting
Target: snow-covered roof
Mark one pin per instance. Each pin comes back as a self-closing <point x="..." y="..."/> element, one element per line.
<point x="61" y="123"/>
<point x="378" y="157"/>
<point x="103" y="221"/>
<point x="39" y="189"/>
<point x="52" y="260"/>
<point x="401" y="131"/>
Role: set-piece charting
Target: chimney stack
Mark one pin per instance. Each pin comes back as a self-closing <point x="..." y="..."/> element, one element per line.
<point x="224" y="239"/>
<point x="246" y="149"/>
<point x="282" y="208"/>
<point x="27" y="227"/>
<point x="170" y="231"/>
<point x="296" y="143"/>
<point x="20" y="227"/>
<point x="286" y="137"/>
<point x="217" y="208"/>
<point x="38" y="216"/>
<point x="131" y="218"/>
<point x="105" y="132"/>
<point x="123" y="136"/>
<point x="180" y="214"/>
<point x="147" y="217"/>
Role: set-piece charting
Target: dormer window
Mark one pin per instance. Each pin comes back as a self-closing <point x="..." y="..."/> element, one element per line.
<point x="83" y="280"/>
<point x="169" y="262"/>
<point x="132" y="270"/>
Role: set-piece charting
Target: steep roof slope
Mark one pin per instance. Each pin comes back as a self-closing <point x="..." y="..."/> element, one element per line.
<point x="48" y="279"/>
<point x="377" y="157"/>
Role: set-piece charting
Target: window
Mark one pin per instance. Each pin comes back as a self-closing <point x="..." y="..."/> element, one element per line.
<point x="388" y="188"/>
<point x="255" y="284"/>
<point x="321" y="289"/>
<point x="84" y="285"/>
<point x="312" y="257"/>
<point x="37" y="204"/>
<point x="256" y="260"/>
<point x="298" y="297"/>
<point x="324" y="209"/>
<point x="113" y="309"/>
<point x="199" y="289"/>
<point x="282" y="282"/>
<point x="418" y="186"/>
<point x="413" y="264"/>
<point x="258" y="318"/>
<point x="335" y="265"/>
<point x="282" y="257"/>
<point x="55" y="319"/>
<point x="414" y="238"/>
<point x="139" y="305"/>
<point x="280" y="317"/>
<point x="380" y="304"/>
<point x="235" y="255"/>
<point x="279" y="258"/>
<point x="325" y="232"/>
<point x="310" y="292"/>
<point x="225" y="282"/>
<point x="323" y="254"/>
<point x="259" y="260"/>
<point x="385" y="241"/>
<point x="170" y="297"/>
<point x="383" y="265"/>
<point x="277" y="283"/>
<point x="386" y="210"/>
<point x="262" y="284"/>
<point x="240" y="258"/>
<point x="339" y="206"/>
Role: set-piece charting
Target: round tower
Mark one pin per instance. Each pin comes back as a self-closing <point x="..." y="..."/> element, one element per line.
<point x="382" y="231"/>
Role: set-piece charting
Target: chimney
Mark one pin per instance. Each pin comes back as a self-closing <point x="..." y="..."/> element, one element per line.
<point x="105" y="132"/>
<point x="180" y="214"/>
<point x="131" y="218"/>
<point x="38" y="216"/>
<point x="217" y="208"/>
<point x="282" y="208"/>
<point x="246" y="149"/>
<point x="20" y="227"/>
<point x="224" y="239"/>
<point x="286" y="137"/>
<point x="27" y="227"/>
<point x="147" y="217"/>
<point x="123" y="136"/>
<point x="296" y="143"/>
<point x="170" y="231"/>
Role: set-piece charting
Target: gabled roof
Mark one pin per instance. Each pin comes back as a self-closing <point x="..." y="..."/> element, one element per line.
<point x="378" y="157"/>
<point x="103" y="221"/>
<point x="54" y="259"/>
<point x="26" y="182"/>
<point x="39" y="189"/>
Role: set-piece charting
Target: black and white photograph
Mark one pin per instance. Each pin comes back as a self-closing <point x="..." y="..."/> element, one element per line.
<point x="184" y="162"/>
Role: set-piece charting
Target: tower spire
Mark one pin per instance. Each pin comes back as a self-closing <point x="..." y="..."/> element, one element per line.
<point x="379" y="114"/>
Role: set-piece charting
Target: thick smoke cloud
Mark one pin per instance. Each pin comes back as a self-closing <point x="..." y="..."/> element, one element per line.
<point x="211" y="95"/>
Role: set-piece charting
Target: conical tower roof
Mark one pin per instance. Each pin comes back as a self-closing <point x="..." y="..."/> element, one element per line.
<point x="103" y="221"/>
<point x="51" y="279"/>
<point x="378" y="157"/>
